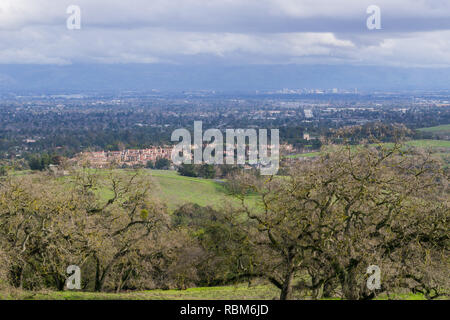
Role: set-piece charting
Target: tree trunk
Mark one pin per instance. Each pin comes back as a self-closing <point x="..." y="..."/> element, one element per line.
<point x="99" y="278"/>
<point x="17" y="277"/>
<point x="348" y="279"/>
<point x="123" y="280"/>
<point x="60" y="282"/>
<point x="99" y="283"/>
<point x="349" y="285"/>
<point x="318" y="292"/>
<point x="286" y="290"/>
<point x="328" y="289"/>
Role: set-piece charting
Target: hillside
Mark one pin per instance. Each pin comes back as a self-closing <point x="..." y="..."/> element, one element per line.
<point x="176" y="190"/>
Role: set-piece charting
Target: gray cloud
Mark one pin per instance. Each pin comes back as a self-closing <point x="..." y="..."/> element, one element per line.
<point x="415" y="32"/>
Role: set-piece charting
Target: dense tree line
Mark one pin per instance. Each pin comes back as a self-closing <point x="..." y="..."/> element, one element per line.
<point x="159" y="164"/>
<point x="369" y="132"/>
<point x="207" y="171"/>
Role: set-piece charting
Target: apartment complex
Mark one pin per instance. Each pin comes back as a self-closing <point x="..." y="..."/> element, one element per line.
<point x="129" y="157"/>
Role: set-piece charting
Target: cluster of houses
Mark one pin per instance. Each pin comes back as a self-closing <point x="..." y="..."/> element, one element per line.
<point x="139" y="157"/>
<point x="129" y="157"/>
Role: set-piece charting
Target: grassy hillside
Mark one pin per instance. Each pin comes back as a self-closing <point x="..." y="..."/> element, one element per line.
<point x="429" y="143"/>
<point x="176" y="190"/>
<point x="439" y="132"/>
<point x="439" y="129"/>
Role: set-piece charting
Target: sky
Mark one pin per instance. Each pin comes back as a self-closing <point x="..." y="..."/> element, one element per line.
<point x="414" y="33"/>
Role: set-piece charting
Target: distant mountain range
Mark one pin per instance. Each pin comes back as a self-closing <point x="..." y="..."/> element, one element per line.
<point x="145" y="77"/>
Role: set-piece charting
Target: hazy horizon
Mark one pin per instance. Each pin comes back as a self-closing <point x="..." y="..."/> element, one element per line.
<point x="166" y="77"/>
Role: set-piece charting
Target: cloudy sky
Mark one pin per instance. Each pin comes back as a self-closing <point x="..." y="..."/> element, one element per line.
<point x="414" y="32"/>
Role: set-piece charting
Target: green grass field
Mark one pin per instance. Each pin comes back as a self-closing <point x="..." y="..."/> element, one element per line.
<point x="439" y="129"/>
<point x="238" y="292"/>
<point x="303" y="155"/>
<point x="235" y="292"/>
<point x="429" y="143"/>
<point x="175" y="190"/>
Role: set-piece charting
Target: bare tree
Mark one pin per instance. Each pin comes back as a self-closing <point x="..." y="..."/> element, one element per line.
<point x="125" y="220"/>
<point x="353" y="207"/>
